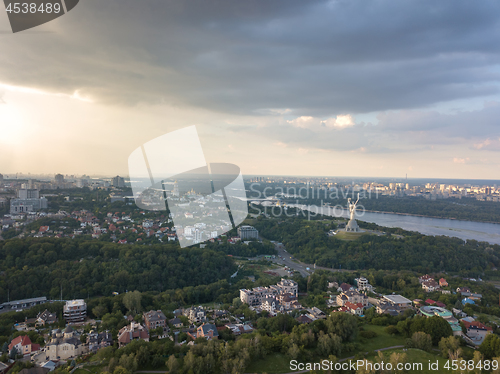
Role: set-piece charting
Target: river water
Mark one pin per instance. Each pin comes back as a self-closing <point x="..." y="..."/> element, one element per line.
<point x="480" y="231"/>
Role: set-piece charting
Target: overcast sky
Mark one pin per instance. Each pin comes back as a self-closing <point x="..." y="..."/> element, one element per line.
<point x="340" y="88"/>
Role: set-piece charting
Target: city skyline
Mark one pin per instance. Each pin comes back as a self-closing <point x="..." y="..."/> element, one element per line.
<point x="289" y="88"/>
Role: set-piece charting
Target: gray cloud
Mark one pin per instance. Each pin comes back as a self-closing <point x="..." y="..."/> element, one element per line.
<point x="317" y="57"/>
<point x="402" y="131"/>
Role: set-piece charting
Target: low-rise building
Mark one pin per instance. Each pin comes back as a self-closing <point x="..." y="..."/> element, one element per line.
<point x="430" y="285"/>
<point x="98" y="340"/>
<point x="354" y="309"/>
<point x="364" y="285"/>
<point x="64" y="345"/>
<point x="134" y="331"/>
<point x="154" y="319"/>
<point x="240" y="328"/>
<point x="46" y="318"/>
<point x="207" y="331"/>
<point x="397" y="300"/>
<point x="425" y="278"/>
<point x="353" y="297"/>
<point x="196" y="314"/>
<point x="23" y="345"/>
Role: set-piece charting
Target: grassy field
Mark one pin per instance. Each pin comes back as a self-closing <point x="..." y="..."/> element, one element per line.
<point x="274" y="363"/>
<point x="344" y="235"/>
<point x="382" y="340"/>
<point x="418" y="357"/>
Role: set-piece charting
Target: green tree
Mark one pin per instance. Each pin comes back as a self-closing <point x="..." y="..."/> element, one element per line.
<point x="449" y="346"/>
<point x="421" y="340"/>
<point x="343" y="325"/>
<point x="132" y="301"/>
<point x="173" y="364"/>
<point x="490" y="347"/>
<point x="437" y="328"/>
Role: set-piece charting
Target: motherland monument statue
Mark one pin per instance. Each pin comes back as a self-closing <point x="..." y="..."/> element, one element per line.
<point x="352" y="225"/>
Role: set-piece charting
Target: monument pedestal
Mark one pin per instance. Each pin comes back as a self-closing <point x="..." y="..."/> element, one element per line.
<point x="352" y="226"/>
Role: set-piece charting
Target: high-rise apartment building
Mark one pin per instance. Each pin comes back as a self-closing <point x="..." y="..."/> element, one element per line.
<point x="75" y="311"/>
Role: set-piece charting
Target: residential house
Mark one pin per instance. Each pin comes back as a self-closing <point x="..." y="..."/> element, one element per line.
<point x="134" y="331"/>
<point x="176" y="322"/>
<point x="463" y="289"/>
<point x="96" y="341"/>
<point x="443" y="283"/>
<point x="385" y="307"/>
<point x="430" y="285"/>
<point x="272" y="305"/>
<point x="154" y="319"/>
<point x="344" y="287"/>
<point x="23" y="345"/>
<point x="355" y="309"/>
<point x="304" y="319"/>
<point x="46" y="318"/>
<point x="316" y="312"/>
<point x="207" y="331"/>
<point x="240" y="328"/>
<point x="353" y="297"/>
<point x="196" y="314"/>
<point x="425" y="278"/>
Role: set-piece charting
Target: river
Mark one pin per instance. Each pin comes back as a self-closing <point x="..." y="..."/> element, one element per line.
<point x="480" y="231"/>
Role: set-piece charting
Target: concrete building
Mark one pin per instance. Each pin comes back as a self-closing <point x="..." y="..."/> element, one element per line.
<point x="248" y="232"/>
<point x="118" y="182"/>
<point x="397" y="300"/>
<point x="28" y="200"/>
<point x="75" y="311"/>
<point x="64" y="345"/>
<point x="364" y="285"/>
<point x="256" y="296"/>
<point x="59" y="179"/>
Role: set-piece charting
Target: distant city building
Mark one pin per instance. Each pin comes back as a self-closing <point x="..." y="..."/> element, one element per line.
<point x="1" y="178"/>
<point x="248" y="232"/>
<point x="175" y="191"/>
<point x="75" y="311"/>
<point x="59" y="179"/>
<point x="118" y="182"/>
<point x="28" y="200"/>
<point x="28" y="194"/>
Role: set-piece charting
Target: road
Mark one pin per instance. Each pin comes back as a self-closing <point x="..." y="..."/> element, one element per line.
<point x="288" y="260"/>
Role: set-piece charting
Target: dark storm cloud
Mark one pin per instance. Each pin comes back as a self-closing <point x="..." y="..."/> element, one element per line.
<point x="315" y="57"/>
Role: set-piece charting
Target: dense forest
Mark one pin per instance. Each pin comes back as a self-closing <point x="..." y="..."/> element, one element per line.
<point x="308" y="241"/>
<point x="40" y="267"/>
